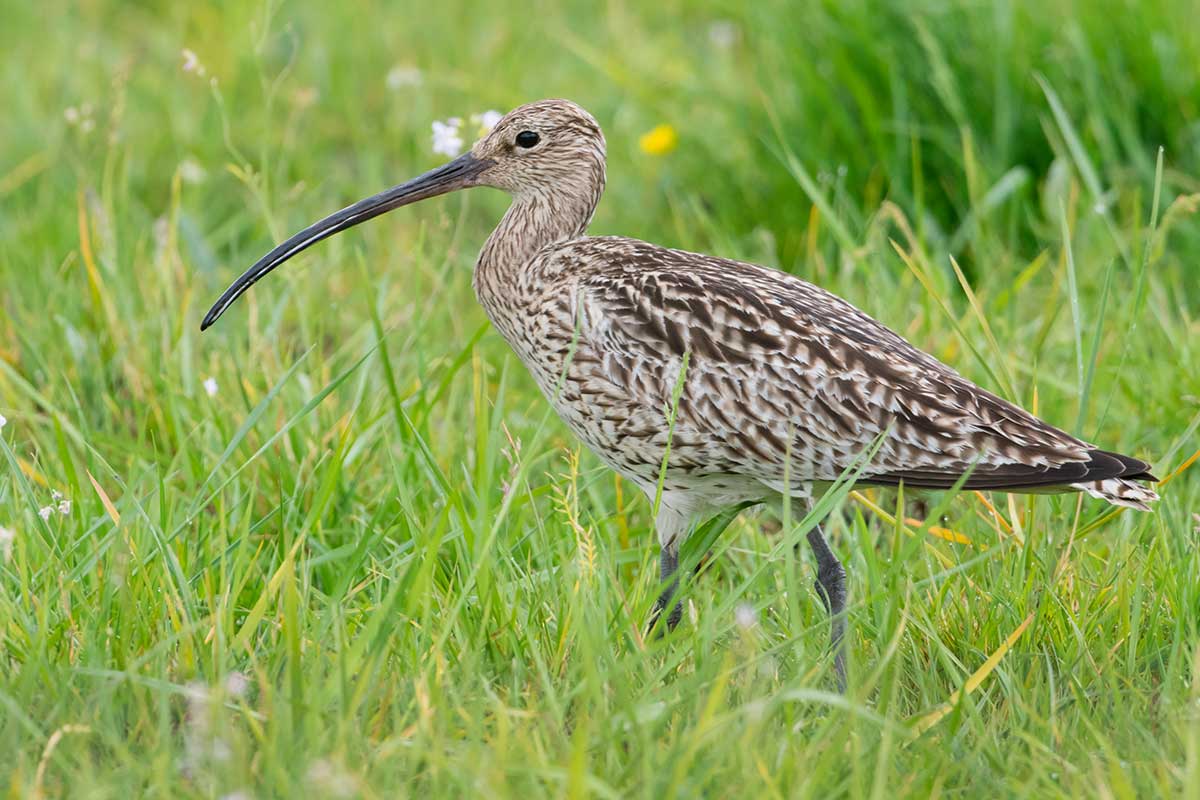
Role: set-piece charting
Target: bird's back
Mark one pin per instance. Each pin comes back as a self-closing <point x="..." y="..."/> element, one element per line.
<point x="784" y="383"/>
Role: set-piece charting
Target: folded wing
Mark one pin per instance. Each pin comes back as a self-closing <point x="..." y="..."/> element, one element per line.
<point x="795" y="383"/>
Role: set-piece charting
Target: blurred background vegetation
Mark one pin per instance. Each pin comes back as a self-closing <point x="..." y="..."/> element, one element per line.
<point x="341" y="529"/>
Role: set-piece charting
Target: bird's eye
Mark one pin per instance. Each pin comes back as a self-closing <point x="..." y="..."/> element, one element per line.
<point x="527" y="139"/>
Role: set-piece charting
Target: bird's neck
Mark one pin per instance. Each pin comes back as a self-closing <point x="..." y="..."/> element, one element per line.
<point x="506" y="271"/>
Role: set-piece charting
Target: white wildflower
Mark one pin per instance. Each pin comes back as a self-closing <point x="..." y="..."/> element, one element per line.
<point x="190" y="171"/>
<point x="3" y="421"/>
<point x="723" y="34"/>
<point x="81" y="117"/>
<point x="204" y="745"/>
<point x="447" y="140"/>
<point x="6" y="542"/>
<point x="240" y="794"/>
<point x="191" y="63"/>
<point x="331" y="780"/>
<point x="210" y="386"/>
<point x="487" y="120"/>
<point x="403" y="75"/>
<point x="745" y="616"/>
<point x="45" y="511"/>
<point x="236" y="684"/>
<point x="64" y="507"/>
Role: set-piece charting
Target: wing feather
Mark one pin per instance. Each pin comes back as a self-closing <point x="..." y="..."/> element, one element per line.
<point x="790" y="380"/>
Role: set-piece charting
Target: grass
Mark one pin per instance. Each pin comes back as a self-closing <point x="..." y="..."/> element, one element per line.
<point x="374" y="564"/>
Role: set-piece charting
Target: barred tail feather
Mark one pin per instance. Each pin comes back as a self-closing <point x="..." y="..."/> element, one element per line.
<point x="1120" y="492"/>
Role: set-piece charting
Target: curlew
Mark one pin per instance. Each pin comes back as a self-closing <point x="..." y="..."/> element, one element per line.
<point x="761" y="384"/>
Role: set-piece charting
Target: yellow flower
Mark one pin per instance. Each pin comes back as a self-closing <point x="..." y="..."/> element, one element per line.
<point x="659" y="141"/>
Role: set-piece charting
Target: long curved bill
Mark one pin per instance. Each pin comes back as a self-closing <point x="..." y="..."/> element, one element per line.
<point x="460" y="173"/>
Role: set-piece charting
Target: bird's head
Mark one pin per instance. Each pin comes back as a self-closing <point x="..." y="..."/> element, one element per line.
<point x="536" y="150"/>
<point x="543" y="146"/>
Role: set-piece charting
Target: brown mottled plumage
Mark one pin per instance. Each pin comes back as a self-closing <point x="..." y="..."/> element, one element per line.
<point x="785" y="385"/>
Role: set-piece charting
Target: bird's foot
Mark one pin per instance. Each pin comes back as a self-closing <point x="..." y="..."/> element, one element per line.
<point x="656" y="626"/>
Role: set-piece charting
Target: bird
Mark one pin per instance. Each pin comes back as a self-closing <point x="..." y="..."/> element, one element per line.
<point x="712" y="383"/>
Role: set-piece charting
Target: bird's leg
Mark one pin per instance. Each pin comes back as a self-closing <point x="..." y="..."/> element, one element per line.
<point x="668" y="564"/>
<point x="672" y="527"/>
<point x="831" y="586"/>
